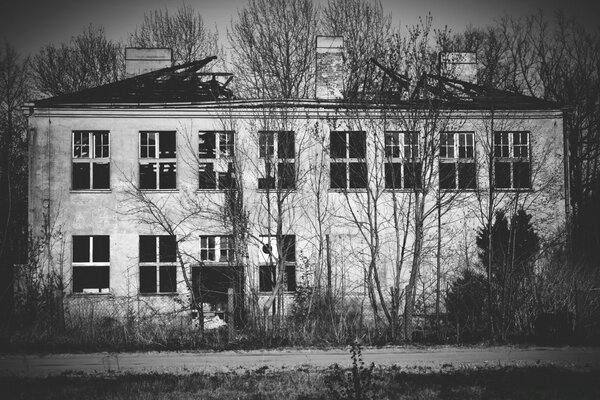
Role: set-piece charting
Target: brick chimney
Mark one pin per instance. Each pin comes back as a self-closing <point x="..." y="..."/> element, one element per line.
<point x="462" y="66"/>
<point x="140" y="61"/>
<point x="329" y="69"/>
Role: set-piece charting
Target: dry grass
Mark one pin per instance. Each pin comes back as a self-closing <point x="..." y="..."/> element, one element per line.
<point x="544" y="382"/>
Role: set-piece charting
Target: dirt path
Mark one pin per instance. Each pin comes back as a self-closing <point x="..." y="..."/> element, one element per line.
<point x="36" y="365"/>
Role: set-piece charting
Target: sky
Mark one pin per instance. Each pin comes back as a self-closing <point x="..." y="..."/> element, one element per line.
<point x="29" y="24"/>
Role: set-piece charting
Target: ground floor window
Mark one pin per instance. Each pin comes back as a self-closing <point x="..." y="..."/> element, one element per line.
<point x="91" y="264"/>
<point x="158" y="268"/>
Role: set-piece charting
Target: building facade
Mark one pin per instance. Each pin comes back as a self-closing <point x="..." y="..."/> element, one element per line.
<point x="164" y="187"/>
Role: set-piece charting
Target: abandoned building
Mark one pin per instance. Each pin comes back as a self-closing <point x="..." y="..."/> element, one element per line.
<point x="165" y="184"/>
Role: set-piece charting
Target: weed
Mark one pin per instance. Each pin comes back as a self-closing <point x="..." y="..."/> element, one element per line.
<point x="356" y="384"/>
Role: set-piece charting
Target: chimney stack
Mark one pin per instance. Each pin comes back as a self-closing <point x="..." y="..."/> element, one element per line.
<point x="461" y="66"/>
<point x="329" y="69"/>
<point x="141" y="61"/>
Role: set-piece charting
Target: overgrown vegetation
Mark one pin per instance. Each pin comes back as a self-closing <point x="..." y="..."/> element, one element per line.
<point x="541" y="382"/>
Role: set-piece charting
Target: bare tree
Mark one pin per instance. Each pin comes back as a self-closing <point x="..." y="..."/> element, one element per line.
<point x="185" y="33"/>
<point x="14" y="91"/>
<point x="273" y="48"/>
<point x="88" y="60"/>
<point x="366" y="30"/>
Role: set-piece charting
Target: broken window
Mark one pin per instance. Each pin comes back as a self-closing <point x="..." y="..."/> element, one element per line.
<point x="90" y="160"/>
<point x="402" y="160"/>
<point x="212" y="279"/>
<point x="347" y="167"/>
<point x="280" y="171"/>
<point x="91" y="264"/>
<point x="157" y="262"/>
<point x="512" y="164"/>
<point x="215" y="153"/>
<point x="457" y="160"/>
<point x="273" y="254"/>
<point x="216" y="248"/>
<point x="158" y="160"/>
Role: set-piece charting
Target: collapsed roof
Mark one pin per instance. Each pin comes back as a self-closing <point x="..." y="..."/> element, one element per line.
<point x="186" y="84"/>
<point x="180" y="83"/>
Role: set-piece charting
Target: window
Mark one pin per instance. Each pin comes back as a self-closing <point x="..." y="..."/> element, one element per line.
<point x="348" y="167"/>
<point x="215" y="153"/>
<point x="402" y="165"/>
<point x="512" y="164"/>
<point x="267" y="273"/>
<point x="216" y="248"/>
<point x="457" y="160"/>
<point x="158" y="163"/>
<point x="91" y="264"/>
<point x="278" y="151"/>
<point x="158" y="269"/>
<point x="91" y="160"/>
<point x="217" y="274"/>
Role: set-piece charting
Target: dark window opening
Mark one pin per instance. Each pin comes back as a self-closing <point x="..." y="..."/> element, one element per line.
<point x="206" y="177"/>
<point x="167" y="281"/>
<point x="81" y="176"/>
<point x="101" y="248"/>
<point x="266" y="278"/>
<point x="286" y="175"/>
<point x="502" y="175"/>
<point x="167" y="248"/>
<point x="466" y="176"/>
<point x="290" y="277"/>
<point x="147" y="176"/>
<point x="211" y="283"/>
<point x="147" y="248"/>
<point x="147" y="278"/>
<point x="206" y="145"/>
<point x="167" y="145"/>
<point x="81" y="249"/>
<point x="91" y="278"/>
<point x="286" y="147"/>
<point x="289" y="248"/>
<point x="357" y="145"/>
<point x="358" y="175"/>
<point x="522" y="175"/>
<point x="393" y="175"/>
<point x="412" y="175"/>
<point x="168" y="176"/>
<point x="337" y="144"/>
<point x="101" y="176"/>
<point x="447" y="176"/>
<point x="227" y="179"/>
<point x="337" y="175"/>
<point x="207" y="248"/>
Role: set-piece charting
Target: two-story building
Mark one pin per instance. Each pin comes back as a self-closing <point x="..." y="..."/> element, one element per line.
<point x="164" y="184"/>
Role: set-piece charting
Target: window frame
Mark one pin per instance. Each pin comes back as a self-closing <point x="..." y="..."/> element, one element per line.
<point x="217" y="249"/>
<point x="91" y="160"/>
<point x="351" y="165"/>
<point x="90" y="263"/>
<point x="156" y="161"/>
<point x="290" y="279"/>
<point x="510" y="160"/>
<point x="277" y="166"/>
<point x="396" y="160"/>
<point x="159" y="267"/>
<point x="223" y="150"/>
<point x="456" y="160"/>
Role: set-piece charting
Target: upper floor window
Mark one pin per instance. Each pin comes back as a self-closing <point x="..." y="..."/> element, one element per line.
<point x="158" y="269"/>
<point x="91" y="264"/>
<point x="277" y="149"/>
<point x="158" y="160"/>
<point x="91" y="160"/>
<point x="512" y="160"/>
<point x="457" y="160"/>
<point x="215" y="153"/>
<point x="273" y="253"/>
<point x="348" y="166"/>
<point x="403" y="163"/>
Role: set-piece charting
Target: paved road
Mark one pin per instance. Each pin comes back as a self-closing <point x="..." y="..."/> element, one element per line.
<point x="45" y="365"/>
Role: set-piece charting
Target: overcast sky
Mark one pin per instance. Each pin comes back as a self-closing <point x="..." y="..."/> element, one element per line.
<point x="30" y="24"/>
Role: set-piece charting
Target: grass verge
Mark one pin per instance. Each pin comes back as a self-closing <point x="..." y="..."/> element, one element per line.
<point x="540" y="382"/>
